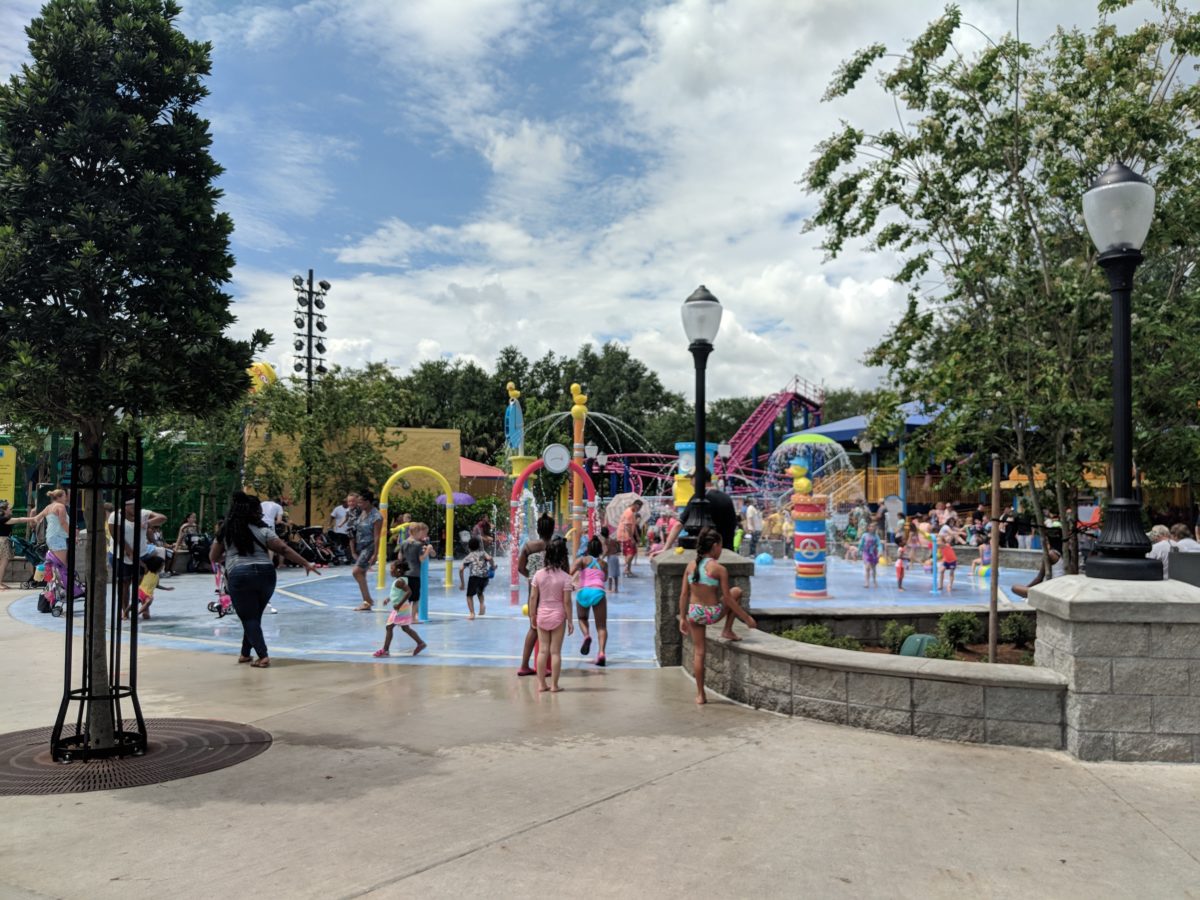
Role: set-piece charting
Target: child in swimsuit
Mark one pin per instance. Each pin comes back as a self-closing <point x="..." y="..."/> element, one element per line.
<point x="707" y="599"/>
<point x="868" y="548"/>
<point x="592" y="572"/>
<point x="550" y="609"/>
<point x="612" y="550"/>
<point x="401" y="598"/>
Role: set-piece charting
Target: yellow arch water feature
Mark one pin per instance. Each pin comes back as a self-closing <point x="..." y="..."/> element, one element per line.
<point x="383" y="509"/>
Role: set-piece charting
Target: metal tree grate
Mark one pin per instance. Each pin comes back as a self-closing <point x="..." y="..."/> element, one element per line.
<point x="177" y="748"/>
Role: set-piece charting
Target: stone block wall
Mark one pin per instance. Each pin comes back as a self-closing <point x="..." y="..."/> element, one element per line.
<point x="1130" y="652"/>
<point x="997" y="704"/>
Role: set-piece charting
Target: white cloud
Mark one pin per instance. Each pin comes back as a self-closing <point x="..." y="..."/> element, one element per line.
<point x="15" y="15"/>
<point x="722" y="100"/>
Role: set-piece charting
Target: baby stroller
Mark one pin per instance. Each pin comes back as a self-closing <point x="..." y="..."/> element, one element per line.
<point x="54" y="598"/>
<point x="28" y="551"/>
<point x="198" y="546"/>
<point x="223" y="605"/>
<point x="311" y="544"/>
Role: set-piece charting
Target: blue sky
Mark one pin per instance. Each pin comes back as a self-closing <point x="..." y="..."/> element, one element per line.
<point x="473" y="173"/>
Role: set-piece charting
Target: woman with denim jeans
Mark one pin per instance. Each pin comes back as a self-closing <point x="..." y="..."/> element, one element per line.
<point x="244" y="544"/>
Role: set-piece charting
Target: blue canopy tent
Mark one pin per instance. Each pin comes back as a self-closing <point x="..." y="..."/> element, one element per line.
<point x="847" y="430"/>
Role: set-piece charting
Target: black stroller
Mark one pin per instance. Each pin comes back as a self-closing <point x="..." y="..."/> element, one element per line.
<point x="27" y="550"/>
<point x="311" y="544"/>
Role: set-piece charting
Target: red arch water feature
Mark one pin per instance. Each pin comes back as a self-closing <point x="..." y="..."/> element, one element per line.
<point x="589" y="490"/>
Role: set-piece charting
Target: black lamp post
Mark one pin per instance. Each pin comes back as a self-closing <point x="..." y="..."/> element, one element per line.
<point x="1118" y="210"/>
<point x="309" y="301"/>
<point x="701" y="322"/>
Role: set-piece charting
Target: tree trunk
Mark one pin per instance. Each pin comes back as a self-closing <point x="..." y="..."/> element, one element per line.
<point x="100" y="725"/>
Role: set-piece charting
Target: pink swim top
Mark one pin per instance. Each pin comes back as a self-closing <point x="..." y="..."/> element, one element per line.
<point x="592" y="576"/>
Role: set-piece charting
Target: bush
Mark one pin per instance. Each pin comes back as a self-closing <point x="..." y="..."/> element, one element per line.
<point x="958" y="628"/>
<point x="1018" y="629"/>
<point x="894" y="634"/>
<point x="810" y="634"/>
<point x="940" y="650"/>
<point x="845" y="643"/>
<point x="1026" y="659"/>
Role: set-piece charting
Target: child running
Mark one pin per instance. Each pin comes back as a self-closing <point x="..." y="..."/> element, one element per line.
<point x="479" y="563"/>
<point x="706" y="599"/>
<point x="591" y="571"/>
<point x="902" y="562"/>
<point x="868" y="548"/>
<point x="550" y="611"/>
<point x="401" y="599"/>
<point x="149" y="582"/>
<point x="612" y="551"/>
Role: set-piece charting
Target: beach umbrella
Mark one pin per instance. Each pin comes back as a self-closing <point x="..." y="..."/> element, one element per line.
<point x="460" y="499"/>
<point x="617" y="505"/>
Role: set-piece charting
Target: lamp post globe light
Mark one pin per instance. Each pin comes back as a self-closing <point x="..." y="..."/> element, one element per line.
<point x="701" y="322"/>
<point x="1117" y="210"/>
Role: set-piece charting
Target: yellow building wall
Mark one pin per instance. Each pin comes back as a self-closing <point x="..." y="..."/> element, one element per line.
<point x="437" y="448"/>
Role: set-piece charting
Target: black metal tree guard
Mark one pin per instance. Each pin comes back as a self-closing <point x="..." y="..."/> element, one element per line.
<point x="121" y="479"/>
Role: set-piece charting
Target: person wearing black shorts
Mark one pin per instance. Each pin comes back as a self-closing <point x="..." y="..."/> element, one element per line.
<point x="478" y="562"/>
<point x="415" y="550"/>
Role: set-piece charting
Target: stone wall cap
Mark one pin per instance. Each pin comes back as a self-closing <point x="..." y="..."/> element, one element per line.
<point x="1077" y="598"/>
<point x="673" y="564"/>
<point x="761" y="643"/>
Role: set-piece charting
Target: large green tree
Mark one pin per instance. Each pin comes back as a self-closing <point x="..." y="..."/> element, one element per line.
<point x="113" y="256"/>
<point x="976" y="191"/>
<point x="342" y="445"/>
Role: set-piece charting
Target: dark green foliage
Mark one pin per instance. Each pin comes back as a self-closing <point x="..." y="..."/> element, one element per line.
<point x="1018" y="629"/>
<point x="113" y="256"/>
<point x="976" y="191"/>
<point x="894" y="635"/>
<point x="958" y="628"/>
<point x="810" y="634"/>
<point x="822" y="636"/>
<point x="940" y="650"/>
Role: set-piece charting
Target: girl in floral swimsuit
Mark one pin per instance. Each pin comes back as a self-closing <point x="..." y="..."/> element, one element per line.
<point x="707" y="599"/>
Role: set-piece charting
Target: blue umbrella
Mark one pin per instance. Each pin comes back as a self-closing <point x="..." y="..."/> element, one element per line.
<point x="460" y="499"/>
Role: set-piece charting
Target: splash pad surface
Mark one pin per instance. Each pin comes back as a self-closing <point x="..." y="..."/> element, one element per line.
<point x="317" y="621"/>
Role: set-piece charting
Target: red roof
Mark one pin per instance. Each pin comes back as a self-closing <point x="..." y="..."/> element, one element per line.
<point x="468" y="468"/>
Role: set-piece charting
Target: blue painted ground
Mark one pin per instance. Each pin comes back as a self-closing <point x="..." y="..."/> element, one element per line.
<point x="316" y="618"/>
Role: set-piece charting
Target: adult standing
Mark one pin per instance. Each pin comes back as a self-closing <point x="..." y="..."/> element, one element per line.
<point x="244" y="545"/>
<point x="627" y="534"/>
<point x="57" y="526"/>
<point x="365" y="545"/>
<point x="720" y="512"/>
<point x="754" y="525"/>
<point x="125" y="567"/>
<point x="7" y="521"/>
<point x="339" y="532"/>
<point x="1008" y="527"/>
<point x="272" y="513"/>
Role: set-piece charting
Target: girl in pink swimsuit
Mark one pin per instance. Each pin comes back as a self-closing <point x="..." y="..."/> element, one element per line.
<point x="550" y="608"/>
<point x="707" y="599"/>
<point x="592" y="574"/>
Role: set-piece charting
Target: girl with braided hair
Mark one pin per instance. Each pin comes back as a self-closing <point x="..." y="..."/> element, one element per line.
<point x="244" y="544"/>
<point x="707" y="599"/>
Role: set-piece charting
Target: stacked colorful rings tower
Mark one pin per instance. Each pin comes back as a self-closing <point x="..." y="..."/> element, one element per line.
<point x="808" y="514"/>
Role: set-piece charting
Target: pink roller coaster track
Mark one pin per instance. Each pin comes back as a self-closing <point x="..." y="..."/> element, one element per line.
<point x="649" y="467"/>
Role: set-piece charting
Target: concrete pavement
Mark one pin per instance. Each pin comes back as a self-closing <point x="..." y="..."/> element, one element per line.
<point x="393" y="781"/>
